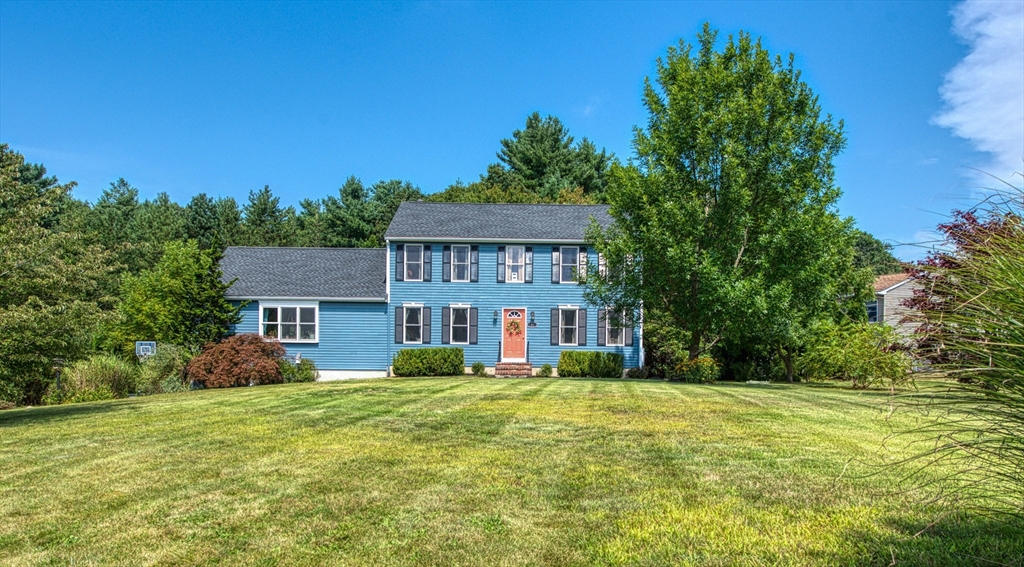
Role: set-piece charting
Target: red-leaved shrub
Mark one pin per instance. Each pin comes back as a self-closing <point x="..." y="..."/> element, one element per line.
<point x="240" y="360"/>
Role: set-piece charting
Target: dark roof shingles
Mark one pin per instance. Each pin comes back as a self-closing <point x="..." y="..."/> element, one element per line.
<point x="305" y="272"/>
<point x="485" y="221"/>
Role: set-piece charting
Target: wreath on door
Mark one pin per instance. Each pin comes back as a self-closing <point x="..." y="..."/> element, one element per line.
<point x="514" y="328"/>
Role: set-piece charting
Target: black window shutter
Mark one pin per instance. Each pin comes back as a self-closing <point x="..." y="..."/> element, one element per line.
<point x="472" y="325"/>
<point x="602" y="321"/>
<point x="556" y="268"/>
<point x="399" y="325"/>
<point x="474" y="263"/>
<point x="446" y="264"/>
<point x="501" y="264"/>
<point x="427" y="262"/>
<point x="399" y="262"/>
<point x="446" y="325"/>
<point x="554" y="326"/>
<point x="581" y="327"/>
<point x="528" y="278"/>
<point x="628" y="329"/>
<point x="426" y="325"/>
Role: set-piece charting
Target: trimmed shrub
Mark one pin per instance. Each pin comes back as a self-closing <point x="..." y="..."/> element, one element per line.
<point x="638" y="373"/>
<point x="479" y="369"/>
<point x="241" y="360"/>
<point x="99" y="377"/>
<point x="438" y="361"/>
<point x="164" y="370"/>
<point x="302" y="371"/>
<point x="589" y="364"/>
<point x="545" y="370"/>
<point x="702" y="370"/>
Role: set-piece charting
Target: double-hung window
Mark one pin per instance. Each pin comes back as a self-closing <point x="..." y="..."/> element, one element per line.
<point x="569" y="264"/>
<point x="873" y="311"/>
<point x="460" y="263"/>
<point x="515" y="266"/>
<point x="616" y="328"/>
<point x="289" y="323"/>
<point x="567" y="327"/>
<point x="413" y="325"/>
<point x="460" y="325"/>
<point x="413" y="262"/>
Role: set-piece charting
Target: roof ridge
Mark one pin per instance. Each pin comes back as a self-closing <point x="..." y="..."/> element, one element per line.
<point x="307" y="248"/>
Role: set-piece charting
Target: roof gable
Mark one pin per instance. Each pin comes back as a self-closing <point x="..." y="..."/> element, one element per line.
<point x="336" y="273"/>
<point x="417" y="220"/>
<point x="888" y="281"/>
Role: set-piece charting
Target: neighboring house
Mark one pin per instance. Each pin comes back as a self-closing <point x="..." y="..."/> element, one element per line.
<point x="497" y="280"/>
<point x="891" y="293"/>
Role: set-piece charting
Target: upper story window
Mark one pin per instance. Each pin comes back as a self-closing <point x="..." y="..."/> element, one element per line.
<point x="568" y="263"/>
<point x="515" y="269"/>
<point x="460" y="263"/>
<point x="289" y="323"/>
<point x="515" y="264"/>
<point x="412" y="262"/>
<point x="873" y="311"/>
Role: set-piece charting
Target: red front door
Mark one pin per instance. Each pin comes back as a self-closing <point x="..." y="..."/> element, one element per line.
<point x="513" y="336"/>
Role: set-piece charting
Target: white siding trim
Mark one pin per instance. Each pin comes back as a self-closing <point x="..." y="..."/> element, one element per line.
<point x="890" y="288"/>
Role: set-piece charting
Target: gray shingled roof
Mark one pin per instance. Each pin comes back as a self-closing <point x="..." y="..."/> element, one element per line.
<point x="304" y="272"/>
<point x="482" y="221"/>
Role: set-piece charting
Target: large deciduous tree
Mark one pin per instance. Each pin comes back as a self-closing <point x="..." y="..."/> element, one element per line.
<point x="874" y="254"/>
<point x="179" y="301"/>
<point x="725" y="220"/>
<point x="51" y="282"/>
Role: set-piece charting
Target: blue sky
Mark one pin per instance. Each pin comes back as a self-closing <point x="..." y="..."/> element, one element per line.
<point x="224" y="98"/>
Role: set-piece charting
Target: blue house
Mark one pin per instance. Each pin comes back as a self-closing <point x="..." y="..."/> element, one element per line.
<point x="497" y="280"/>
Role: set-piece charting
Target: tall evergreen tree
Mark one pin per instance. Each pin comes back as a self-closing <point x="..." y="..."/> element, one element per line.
<point x="265" y="222"/>
<point x="229" y="222"/>
<point x="156" y="222"/>
<point x="543" y="159"/>
<point x="201" y="223"/>
<point x="111" y="219"/>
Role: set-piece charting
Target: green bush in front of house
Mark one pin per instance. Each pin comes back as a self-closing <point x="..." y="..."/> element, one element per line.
<point x="589" y="364"/>
<point x="438" y="361"/>
<point x="701" y="370"/>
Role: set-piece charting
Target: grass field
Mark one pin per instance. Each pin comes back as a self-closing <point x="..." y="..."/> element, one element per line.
<point x="474" y="472"/>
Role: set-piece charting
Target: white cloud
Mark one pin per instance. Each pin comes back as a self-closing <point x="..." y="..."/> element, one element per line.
<point x="984" y="92"/>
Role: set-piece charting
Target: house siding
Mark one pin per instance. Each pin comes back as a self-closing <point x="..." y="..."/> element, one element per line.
<point x="353" y="336"/>
<point x="488" y="296"/>
<point x="891" y="308"/>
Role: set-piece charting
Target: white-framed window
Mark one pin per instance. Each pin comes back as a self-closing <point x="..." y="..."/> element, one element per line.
<point x="413" y="262"/>
<point x="602" y="265"/>
<point x="515" y="264"/>
<point x="568" y="264"/>
<point x="615" y="328"/>
<point x="460" y="326"/>
<point x="567" y="327"/>
<point x="290" y="323"/>
<point x="460" y="263"/>
<point x="413" y="325"/>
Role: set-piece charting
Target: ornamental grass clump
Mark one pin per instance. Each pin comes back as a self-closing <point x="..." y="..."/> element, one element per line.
<point x="99" y="377"/>
<point x="970" y="311"/>
<point x="240" y="360"/>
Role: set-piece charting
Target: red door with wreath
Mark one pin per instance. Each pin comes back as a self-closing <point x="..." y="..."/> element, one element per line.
<point x="513" y="337"/>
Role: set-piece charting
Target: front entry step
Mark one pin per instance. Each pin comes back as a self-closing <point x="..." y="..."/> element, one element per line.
<point x="513" y="369"/>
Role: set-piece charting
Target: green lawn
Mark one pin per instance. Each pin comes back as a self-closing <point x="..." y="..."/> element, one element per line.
<point x="473" y="472"/>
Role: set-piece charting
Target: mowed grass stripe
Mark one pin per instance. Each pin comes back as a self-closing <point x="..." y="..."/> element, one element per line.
<point x="466" y="471"/>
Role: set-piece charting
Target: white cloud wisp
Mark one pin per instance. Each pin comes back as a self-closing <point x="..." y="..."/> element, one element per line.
<point x="984" y="92"/>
